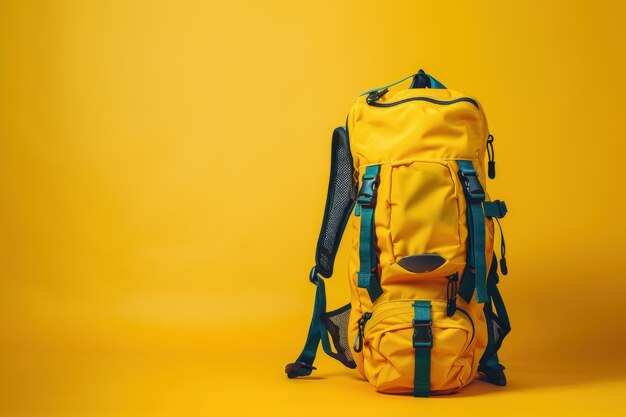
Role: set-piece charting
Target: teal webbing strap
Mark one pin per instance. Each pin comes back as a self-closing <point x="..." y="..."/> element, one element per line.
<point x="422" y="344"/>
<point x="433" y="83"/>
<point x="366" y="199"/>
<point x="476" y="263"/>
<point x="498" y="326"/>
<point x="303" y="366"/>
<point x="480" y="263"/>
<point x="423" y="80"/>
<point x="387" y="86"/>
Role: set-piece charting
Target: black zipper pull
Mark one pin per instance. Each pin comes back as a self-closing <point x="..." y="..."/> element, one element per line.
<point x="358" y="340"/>
<point x="451" y="292"/>
<point x="376" y="95"/>
<point x="491" y="165"/>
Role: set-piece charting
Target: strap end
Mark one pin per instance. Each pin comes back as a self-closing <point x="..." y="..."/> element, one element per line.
<point x="296" y="369"/>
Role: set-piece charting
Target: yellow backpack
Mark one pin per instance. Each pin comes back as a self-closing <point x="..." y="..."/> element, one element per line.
<point x="424" y="233"/>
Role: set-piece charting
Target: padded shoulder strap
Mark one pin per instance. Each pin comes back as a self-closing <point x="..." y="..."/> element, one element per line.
<point x="339" y="202"/>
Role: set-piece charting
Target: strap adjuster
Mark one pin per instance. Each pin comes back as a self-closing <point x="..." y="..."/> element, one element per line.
<point x="495" y="209"/>
<point x="369" y="190"/>
<point x="474" y="191"/>
<point x="422" y="334"/>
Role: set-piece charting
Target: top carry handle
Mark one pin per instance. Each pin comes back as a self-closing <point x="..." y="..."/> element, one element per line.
<point x="420" y="80"/>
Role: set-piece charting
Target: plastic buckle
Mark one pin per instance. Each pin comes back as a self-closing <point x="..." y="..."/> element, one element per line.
<point x="496" y="208"/>
<point x="369" y="190"/>
<point x="313" y="275"/>
<point x="501" y="208"/>
<point x="422" y="334"/>
<point x="474" y="191"/>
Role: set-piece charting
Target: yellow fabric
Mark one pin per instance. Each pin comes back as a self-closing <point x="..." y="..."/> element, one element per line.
<point x="421" y="209"/>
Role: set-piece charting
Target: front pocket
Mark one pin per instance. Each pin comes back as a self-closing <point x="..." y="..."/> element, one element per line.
<point x="390" y="358"/>
<point x="425" y="213"/>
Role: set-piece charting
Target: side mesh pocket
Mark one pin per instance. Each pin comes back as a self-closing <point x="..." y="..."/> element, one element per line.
<point x="336" y="323"/>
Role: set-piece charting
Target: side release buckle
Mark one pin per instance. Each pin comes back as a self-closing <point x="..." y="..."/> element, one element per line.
<point x="422" y="334"/>
<point x="474" y="191"/>
<point x="369" y="190"/>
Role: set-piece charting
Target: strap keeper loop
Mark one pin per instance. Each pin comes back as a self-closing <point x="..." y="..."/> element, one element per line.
<point x="495" y="209"/>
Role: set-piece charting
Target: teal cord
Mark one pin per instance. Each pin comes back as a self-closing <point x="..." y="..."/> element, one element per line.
<point x="387" y="86"/>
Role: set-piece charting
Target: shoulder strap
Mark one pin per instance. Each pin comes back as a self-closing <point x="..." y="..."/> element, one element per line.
<point x="498" y="326"/>
<point x="476" y="271"/>
<point x="339" y="204"/>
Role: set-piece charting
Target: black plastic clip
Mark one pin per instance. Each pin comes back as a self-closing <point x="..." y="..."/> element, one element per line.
<point x="422" y="334"/>
<point x="474" y="191"/>
<point x="495" y="209"/>
<point x="369" y="190"/>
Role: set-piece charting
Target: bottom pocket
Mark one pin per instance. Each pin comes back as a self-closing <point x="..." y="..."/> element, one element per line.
<point x="389" y="357"/>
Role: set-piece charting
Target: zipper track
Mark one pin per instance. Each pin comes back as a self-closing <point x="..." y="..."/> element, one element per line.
<point x="471" y="322"/>
<point x="428" y="99"/>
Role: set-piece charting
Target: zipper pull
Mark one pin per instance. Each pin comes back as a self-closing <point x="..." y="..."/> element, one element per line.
<point x="376" y="95"/>
<point x="503" y="266"/>
<point x="451" y="292"/>
<point x="358" y="340"/>
<point x="491" y="165"/>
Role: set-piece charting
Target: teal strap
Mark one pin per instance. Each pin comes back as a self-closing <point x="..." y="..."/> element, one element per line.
<point x="423" y="80"/>
<point x="368" y="269"/>
<point x="387" y="86"/>
<point x="495" y="209"/>
<point x="422" y="344"/>
<point x="303" y="366"/>
<point x="433" y="83"/>
<point x="476" y="263"/>
<point x="498" y="326"/>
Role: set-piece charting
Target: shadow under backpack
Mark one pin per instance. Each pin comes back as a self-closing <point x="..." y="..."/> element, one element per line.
<point x="425" y="314"/>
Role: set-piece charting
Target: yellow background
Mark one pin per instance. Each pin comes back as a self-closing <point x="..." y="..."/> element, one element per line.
<point x="163" y="170"/>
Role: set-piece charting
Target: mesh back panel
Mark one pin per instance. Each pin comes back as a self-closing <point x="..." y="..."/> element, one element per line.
<point x="339" y="202"/>
<point x="337" y="326"/>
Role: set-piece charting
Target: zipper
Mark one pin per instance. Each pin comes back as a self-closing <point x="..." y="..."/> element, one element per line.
<point x="360" y="335"/>
<point x="491" y="164"/>
<point x="374" y="96"/>
<point x="473" y="327"/>
<point x="451" y="290"/>
<point x="358" y="340"/>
